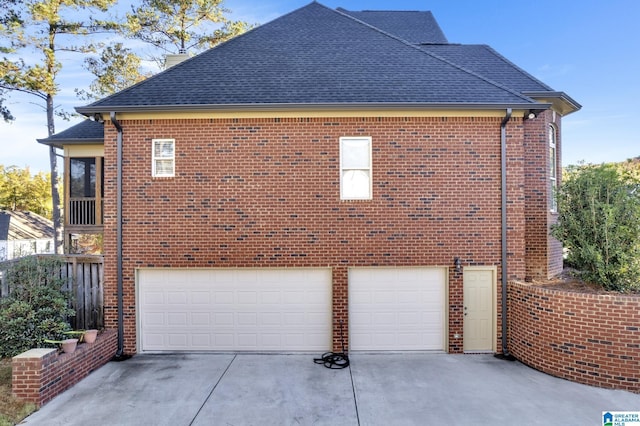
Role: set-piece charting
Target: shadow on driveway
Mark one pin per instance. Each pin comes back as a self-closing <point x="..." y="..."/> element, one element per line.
<point x="377" y="389"/>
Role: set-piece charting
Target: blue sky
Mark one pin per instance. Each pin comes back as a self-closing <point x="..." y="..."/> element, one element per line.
<point x="589" y="49"/>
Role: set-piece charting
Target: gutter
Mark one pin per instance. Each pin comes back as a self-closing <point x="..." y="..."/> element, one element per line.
<point x="120" y="294"/>
<point x="503" y="212"/>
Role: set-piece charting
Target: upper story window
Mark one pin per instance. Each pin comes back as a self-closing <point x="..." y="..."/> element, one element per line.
<point x="163" y="158"/>
<point x="553" y="164"/>
<point x="355" y="168"/>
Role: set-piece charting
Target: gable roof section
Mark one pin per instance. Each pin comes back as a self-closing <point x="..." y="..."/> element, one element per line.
<point x="413" y="26"/>
<point x="23" y="225"/>
<point x="485" y="61"/>
<point x="85" y="132"/>
<point x="313" y="56"/>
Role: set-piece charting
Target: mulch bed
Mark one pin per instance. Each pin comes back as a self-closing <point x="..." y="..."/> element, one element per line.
<point x="569" y="281"/>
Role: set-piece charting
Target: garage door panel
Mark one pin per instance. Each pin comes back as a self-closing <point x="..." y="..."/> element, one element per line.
<point x="316" y="319"/>
<point x="384" y="318"/>
<point x="293" y="318"/>
<point x="201" y="340"/>
<point x="247" y="341"/>
<point x="177" y="319"/>
<point x="270" y="298"/>
<point x="247" y="297"/>
<point x="200" y="297"/>
<point x="235" y="309"/>
<point x="154" y="319"/>
<point x="397" y="309"/>
<point x="201" y="319"/>
<point x="247" y="318"/>
<point x="382" y="339"/>
<point x="360" y="340"/>
<point x="359" y="318"/>
<point x="271" y="318"/>
<point x="408" y="319"/>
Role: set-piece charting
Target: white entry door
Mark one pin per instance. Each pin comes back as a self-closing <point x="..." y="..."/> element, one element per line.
<point x="397" y="309"/>
<point x="234" y="309"/>
<point x="479" y="309"/>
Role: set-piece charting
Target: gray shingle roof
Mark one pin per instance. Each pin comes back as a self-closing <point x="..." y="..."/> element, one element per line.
<point x="485" y="61"/>
<point x="88" y="131"/>
<point x="24" y="225"/>
<point x="312" y="56"/>
<point x="413" y="26"/>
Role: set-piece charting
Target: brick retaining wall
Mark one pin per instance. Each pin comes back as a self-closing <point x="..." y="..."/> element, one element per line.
<point x="41" y="374"/>
<point x="587" y="338"/>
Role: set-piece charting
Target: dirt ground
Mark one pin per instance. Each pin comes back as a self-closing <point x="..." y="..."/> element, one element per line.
<point x="568" y="281"/>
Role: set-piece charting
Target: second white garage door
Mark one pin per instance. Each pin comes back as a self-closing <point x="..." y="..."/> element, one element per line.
<point x="397" y="309"/>
<point x="234" y="309"/>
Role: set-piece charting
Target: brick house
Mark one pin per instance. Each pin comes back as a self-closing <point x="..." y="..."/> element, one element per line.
<point x="329" y="178"/>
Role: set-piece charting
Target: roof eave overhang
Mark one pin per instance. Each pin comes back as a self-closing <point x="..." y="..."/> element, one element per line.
<point x="382" y="106"/>
<point x="560" y="101"/>
<point x="61" y="143"/>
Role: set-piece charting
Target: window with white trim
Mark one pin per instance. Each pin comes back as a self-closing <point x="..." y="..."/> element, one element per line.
<point x="163" y="158"/>
<point x="553" y="164"/>
<point x="355" y="168"/>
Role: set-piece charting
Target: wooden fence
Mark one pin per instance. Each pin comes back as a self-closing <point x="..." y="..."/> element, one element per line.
<point x="84" y="279"/>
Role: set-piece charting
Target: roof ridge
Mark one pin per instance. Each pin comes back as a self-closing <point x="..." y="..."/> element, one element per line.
<point x="433" y="55"/>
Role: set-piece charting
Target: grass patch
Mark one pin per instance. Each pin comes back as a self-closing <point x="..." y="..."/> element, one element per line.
<point x="12" y="410"/>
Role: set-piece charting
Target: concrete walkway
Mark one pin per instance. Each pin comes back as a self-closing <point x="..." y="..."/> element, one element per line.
<point x="385" y="389"/>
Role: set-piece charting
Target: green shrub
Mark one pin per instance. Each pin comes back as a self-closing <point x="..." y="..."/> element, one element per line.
<point x="599" y="224"/>
<point x="37" y="307"/>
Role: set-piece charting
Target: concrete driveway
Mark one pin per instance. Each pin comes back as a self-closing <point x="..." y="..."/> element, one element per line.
<point x="385" y="389"/>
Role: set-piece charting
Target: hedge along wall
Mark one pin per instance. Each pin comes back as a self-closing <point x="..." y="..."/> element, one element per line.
<point x="587" y="338"/>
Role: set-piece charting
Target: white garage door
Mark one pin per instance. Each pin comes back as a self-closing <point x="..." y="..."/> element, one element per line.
<point x="397" y="309"/>
<point x="234" y="309"/>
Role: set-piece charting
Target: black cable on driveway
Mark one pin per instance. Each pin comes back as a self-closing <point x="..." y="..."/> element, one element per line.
<point x="214" y="388"/>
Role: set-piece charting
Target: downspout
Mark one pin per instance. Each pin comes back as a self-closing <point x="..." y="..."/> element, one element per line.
<point x="503" y="177"/>
<point x="120" y="294"/>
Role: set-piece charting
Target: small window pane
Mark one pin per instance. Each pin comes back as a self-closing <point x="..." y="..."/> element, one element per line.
<point x="355" y="154"/>
<point x="164" y="167"/>
<point x="163" y="148"/>
<point x="355" y="184"/>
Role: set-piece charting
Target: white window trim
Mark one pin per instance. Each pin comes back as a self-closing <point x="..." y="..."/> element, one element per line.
<point x="553" y="177"/>
<point x="154" y="158"/>
<point x="369" y="169"/>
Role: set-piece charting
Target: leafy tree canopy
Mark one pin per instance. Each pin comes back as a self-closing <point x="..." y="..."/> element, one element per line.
<point x="116" y="68"/>
<point x="19" y="190"/>
<point x="599" y="223"/>
<point x="164" y="26"/>
<point x="181" y="25"/>
<point x="33" y="38"/>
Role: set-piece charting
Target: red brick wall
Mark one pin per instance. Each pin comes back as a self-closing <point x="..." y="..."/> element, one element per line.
<point x="544" y="253"/>
<point x="587" y="338"/>
<point x="265" y="193"/>
<point x="40" y="375"/>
